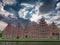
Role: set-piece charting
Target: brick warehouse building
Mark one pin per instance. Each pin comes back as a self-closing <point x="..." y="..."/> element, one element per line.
<point x="34" y="30"/>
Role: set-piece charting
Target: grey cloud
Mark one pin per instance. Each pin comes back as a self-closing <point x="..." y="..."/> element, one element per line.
<point x="49" y="5"/>
<point x="9" y="2"/>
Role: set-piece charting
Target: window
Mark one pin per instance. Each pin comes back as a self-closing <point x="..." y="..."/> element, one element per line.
<point x="44" y="34"/>
<point x="18" y="30"/>
<point x="26" y="36"/>
<point x="17" y="37"/>
<point x="55" y="33"/>
<point x="53" y="28"/>
<point x="44" y="30"/>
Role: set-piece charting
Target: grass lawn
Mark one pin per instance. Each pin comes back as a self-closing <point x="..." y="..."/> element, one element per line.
<point x="29" y="40"/>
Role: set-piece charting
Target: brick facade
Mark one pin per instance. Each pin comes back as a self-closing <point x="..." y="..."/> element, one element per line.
<point x="34" y="30"/>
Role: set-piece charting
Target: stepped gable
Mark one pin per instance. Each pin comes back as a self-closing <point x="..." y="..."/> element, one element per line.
<point x="8" y="30"/>
<point x="33" y="25"/>
<point x="43" y="24"/>
<point x="19" y="26"/>
<point x="30" y="30"/>
<point x="27" y="28"/>
<point x="53" y="27"/>
<point x="33" y="28"/>
<point x="43" y="29"/>
<point x="53" y="24"/>
<point x="20" y="30"/>
<point x="54" y="32"/>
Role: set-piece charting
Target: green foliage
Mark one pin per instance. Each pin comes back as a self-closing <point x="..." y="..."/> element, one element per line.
<point x="0" y="33"/>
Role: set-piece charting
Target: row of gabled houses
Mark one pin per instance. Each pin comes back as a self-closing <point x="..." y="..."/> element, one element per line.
<point x="34" y="30"/>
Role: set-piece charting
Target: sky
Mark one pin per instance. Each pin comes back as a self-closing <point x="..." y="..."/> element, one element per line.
<point x="12" y="11"/>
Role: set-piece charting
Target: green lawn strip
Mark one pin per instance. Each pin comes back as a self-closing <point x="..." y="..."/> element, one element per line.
<point x="29" y="40"/>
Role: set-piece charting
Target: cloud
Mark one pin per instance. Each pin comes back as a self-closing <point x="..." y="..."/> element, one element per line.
<point x="55" y="18"/>
<point x="58" y="5"/>
<point x="29" y="9"/>
<point x="33" y="11"/>
<point x="27" y="5"/>
<point x="58" y="13"/>
<point x="23" y="12"/>
<point x="36" y="15"/>
<point x="9" y="2"/>
<point x="4" y="12"/>
<point x="49" y="5"/>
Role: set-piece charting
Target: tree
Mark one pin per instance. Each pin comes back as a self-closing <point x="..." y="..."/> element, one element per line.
<point x="0" y="33"/>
